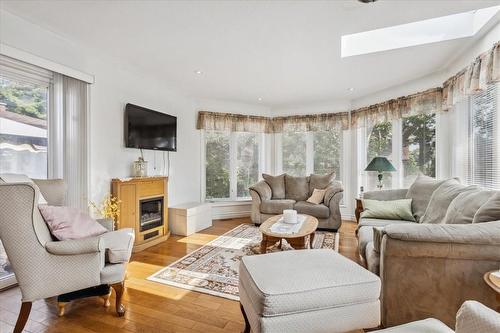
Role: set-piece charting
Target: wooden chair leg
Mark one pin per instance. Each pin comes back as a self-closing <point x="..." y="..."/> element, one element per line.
<point x="105" y="298"/>
<point x="247" y="324"/>
<point x="60" y="308"/>
<point x="119" y="289"/>
<point x="23" y="317"/>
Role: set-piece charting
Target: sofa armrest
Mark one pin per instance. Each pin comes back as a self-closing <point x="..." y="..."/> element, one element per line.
<point x="331" y="190"/>
<point x="107" y="223"/>
<point x="75" y="246"/>
<point x="386" y="195"/>
<point x="263" y="190"/>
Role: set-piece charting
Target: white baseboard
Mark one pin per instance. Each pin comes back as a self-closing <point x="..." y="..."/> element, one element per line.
<point x="235" y="209"/>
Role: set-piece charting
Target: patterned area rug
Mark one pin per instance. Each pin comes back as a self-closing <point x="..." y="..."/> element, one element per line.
<point x="213" y="268"/>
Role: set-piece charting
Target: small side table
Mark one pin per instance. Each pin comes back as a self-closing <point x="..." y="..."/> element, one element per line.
<point x="359" y="208"/>
<point x="495" y="285"/>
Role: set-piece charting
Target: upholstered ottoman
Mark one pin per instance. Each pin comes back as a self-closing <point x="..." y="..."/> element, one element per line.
<point x="310" y="291"/>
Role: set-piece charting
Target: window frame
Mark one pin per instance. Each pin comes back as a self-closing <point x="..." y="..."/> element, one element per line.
<point x="233" y="182"/>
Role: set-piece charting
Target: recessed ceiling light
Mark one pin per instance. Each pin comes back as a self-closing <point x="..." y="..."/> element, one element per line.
<point x="350" y="89"/>
<point x="259" y="99"/>
<point x="198" y="72"/>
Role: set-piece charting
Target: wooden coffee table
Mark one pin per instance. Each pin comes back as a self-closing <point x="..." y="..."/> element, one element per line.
<point x="494" y="284"/>
<point x="296" y="240"/>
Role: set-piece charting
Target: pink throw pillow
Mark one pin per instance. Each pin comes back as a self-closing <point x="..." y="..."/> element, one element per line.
<point x="70" y="223"/>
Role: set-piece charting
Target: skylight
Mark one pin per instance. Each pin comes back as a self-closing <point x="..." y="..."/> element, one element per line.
<point x="417" y="33"/>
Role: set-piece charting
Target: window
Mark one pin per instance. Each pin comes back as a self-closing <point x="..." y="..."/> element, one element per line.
<point x="379" y="143"/>
<point x="303" y="153"/>
<point x="232" y="164"/>
<point x="217" y="165"/>
<point x="247" y="159"/>
<point x="327" y="152"/>
<point x="484" y="153"/>
<point x="418" y="147"/>
<point x="23" y="128"/>
<point x="294" y="153"/>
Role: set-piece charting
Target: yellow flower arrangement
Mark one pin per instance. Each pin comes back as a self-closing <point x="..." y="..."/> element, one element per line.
<point x="109" y="208"/>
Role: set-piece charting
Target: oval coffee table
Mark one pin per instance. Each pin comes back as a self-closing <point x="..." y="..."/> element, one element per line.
<point x="296" y="240"/>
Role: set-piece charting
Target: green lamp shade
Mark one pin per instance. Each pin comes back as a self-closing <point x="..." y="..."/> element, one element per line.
<point x="380" y="164"/>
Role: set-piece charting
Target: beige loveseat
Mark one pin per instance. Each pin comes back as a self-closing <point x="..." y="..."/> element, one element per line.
<point x="430" y="269"/>
<point x="276" y="193"/>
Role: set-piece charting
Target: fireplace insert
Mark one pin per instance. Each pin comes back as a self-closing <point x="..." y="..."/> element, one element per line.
<point x="151" y="213"/>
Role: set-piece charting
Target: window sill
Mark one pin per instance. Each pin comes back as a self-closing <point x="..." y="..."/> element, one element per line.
<point x="223" y="203"/>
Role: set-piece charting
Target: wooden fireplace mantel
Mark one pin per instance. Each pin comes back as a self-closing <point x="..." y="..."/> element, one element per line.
<point x="130" y="192"/>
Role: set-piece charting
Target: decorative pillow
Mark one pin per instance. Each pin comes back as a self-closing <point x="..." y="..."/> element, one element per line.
<point x="20" y="178"/>
<point x="317" y="196"/>
<point x="297" y="188"/>
<point x="490" y="211"/>
<point x="463" y="208"/>
<point x="277" y="185"/>
<point x="388" y="210"/>
<point x="70" y="223"/>
<point x="320" y="182"/>
<point x="420" y="191"/>
<point x="441" y="199"/>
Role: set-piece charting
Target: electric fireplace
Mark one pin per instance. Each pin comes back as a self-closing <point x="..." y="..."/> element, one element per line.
<point x="151" y="213"/>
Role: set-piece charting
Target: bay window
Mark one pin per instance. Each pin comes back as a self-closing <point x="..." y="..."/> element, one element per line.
<point x="294" y="148"/>
<point x="232" y="164"/>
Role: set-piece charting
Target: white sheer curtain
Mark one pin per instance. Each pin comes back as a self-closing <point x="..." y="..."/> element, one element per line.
<point x="70" y="138"/>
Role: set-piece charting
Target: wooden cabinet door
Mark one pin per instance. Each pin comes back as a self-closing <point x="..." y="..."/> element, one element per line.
<point x="128" y="206"/>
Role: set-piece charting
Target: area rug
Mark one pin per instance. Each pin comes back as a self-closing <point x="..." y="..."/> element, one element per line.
<point x="213" y="268"/>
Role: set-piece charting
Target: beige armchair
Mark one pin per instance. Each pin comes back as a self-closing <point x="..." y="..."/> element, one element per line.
<point x="45" y="267"/>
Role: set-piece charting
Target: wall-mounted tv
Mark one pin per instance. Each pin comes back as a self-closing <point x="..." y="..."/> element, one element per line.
<point x="148" y="129"/>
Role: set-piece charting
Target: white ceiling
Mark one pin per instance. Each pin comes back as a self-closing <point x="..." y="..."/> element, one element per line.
<point x="287" y="53"/>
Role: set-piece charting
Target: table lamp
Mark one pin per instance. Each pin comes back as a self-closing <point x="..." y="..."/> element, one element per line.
<point x="381" y="165"/>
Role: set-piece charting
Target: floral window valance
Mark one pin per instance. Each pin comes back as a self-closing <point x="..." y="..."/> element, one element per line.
<point x="242" y="123"/>
<point x="485" y="69"/>
<point x="428" y="101"/>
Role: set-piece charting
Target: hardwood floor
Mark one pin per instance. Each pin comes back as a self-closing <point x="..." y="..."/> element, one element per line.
<point x="151" y="307"/>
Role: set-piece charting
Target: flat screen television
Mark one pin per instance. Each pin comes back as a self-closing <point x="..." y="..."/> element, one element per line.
<point x="148" y="129"/>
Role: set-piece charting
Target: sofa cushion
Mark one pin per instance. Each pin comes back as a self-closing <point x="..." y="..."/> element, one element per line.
<point x="463" y="208"/>
<point x="490" y="211"/>
<point x="363" y="222"/>
<point x="319" y="211"/>
<point x="388" y="209"/>
<point x="429" y="325"/>
<point x="365" y="231"/>
<point x="441" y="200"/>
<point x="277" y="185"/>
<point x="474" y="317"/>
<point x="320" y="182"/>
<point x="421" y="191"/>
<point x="276" y="206"/>
<point x="297" y="188"/>
<point x="322" y="279"/>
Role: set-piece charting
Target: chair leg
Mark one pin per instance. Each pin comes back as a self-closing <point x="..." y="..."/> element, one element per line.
<point x="23" y="317"/>
<point x="60" y="307"/>
<point x="119" y="288"/>
<point x="247" y="324"/>
<point x="105" y="298"/>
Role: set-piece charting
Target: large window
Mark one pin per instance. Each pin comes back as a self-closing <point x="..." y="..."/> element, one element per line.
<point x="418" y="147"/>
<point x="484" y="139"/>
<point x="23" y="128"/>
<point x="232" y="164"/>
<point x="294" y="147"/>
<point x="318" y="152"/>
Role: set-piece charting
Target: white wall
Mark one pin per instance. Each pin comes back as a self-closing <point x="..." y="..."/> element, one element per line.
<point x="115" y="85"/>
